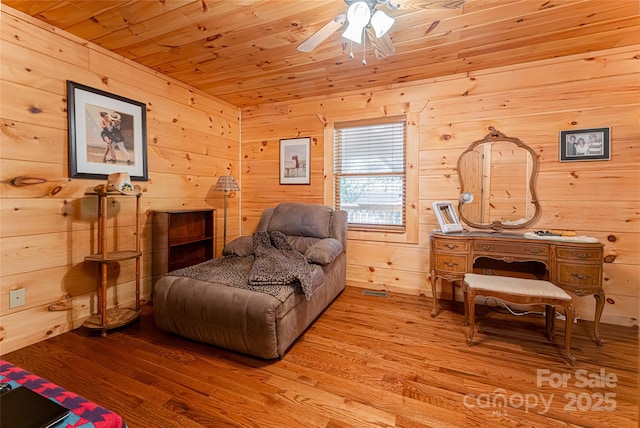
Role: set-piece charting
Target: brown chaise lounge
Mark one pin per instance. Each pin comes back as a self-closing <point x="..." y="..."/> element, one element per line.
<point x="196" y="303"/>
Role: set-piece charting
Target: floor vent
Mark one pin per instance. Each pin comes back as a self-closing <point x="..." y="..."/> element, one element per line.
<point x="375" y="293"/>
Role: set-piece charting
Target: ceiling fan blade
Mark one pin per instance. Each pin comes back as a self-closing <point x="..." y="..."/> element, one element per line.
<point x="322" y="34"/>
<point x="382" y="46"/>
<point x="429" y="4"/>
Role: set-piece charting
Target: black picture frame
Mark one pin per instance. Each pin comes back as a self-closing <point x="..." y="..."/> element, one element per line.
<point x="107" y="134"/>
<point x="295" y="161"/>
<point x="593" y="144"/>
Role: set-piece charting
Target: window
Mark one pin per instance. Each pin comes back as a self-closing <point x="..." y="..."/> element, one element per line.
<point x="370" y="173"/>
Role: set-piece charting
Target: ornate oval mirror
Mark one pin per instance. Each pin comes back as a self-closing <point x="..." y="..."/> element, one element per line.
<point x="497" y="183"/>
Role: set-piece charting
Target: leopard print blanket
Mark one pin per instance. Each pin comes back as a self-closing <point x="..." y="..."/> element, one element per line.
<point x="277" y="270"/>
<point x="277" y="263"/>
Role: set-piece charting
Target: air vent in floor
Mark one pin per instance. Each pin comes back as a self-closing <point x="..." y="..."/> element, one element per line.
<point x="375" y="293"/>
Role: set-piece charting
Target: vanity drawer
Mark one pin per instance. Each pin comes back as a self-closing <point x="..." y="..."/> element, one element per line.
<point x="518" y="249"/>
<point x="575" y="253"/>
<point x="580" y="277"/>
<point x="451" y="245"/>
<point x="451" y="263"/>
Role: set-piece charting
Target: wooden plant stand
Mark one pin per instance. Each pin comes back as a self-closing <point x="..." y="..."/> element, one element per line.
<point x="106" y="319"/>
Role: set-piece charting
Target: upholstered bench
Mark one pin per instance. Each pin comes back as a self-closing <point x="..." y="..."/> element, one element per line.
<point x="520" y="291"/>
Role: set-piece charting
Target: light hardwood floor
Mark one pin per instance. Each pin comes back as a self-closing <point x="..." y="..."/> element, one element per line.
<point x="366" y="362"/>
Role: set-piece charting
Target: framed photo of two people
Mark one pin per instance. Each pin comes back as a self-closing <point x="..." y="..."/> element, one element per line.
<point x="585" y="145"/>
<point x="107" y="134"/>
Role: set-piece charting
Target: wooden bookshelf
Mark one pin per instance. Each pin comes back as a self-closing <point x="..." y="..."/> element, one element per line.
<point x="182" y="238"/>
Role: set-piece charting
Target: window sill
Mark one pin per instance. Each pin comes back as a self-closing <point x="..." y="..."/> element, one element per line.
<point x="395" y="236"/>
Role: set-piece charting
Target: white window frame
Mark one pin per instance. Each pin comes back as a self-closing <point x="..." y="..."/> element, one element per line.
<point x="411" y="230"/>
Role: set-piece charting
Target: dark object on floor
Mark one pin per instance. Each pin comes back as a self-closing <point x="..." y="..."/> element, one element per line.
<point x="23" y="408"/>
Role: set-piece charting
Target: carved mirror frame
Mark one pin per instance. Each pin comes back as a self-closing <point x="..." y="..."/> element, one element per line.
<point x="494" y="136"/>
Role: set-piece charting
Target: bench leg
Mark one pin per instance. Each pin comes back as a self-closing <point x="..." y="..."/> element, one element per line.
<point x="465" y="302"/>
<point x="568" y="327"/>
<point x="550" y="320"/>
<point x="471" y="319"/>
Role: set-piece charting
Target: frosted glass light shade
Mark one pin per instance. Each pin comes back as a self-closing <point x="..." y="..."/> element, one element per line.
<point x="381" y="23"/>
<point x="358" y="16"/>
<point x="466" y="197"/>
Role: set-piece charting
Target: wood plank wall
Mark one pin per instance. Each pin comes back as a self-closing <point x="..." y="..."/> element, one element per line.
<point x="533" y="101"/>
<point x="47" y="229"/>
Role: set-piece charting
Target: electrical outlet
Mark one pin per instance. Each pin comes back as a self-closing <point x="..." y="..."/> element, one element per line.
<point x="17" y="298"/>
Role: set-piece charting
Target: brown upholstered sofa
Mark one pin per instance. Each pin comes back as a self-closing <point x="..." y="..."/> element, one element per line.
<point x="247" y="319"/>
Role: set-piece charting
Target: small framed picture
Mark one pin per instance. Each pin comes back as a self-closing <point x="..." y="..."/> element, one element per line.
<point x="295" y="161"/>
<point x="585" y="145"/>
<point x="107" y="134"/>
<point x="447" y="216"/>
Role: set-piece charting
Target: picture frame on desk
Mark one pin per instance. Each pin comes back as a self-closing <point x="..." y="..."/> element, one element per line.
<point x="107" y="134"/>
<point x="447" y="216"/>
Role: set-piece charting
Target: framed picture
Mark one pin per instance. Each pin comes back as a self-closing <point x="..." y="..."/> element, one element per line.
<point x="107" y="133"/>
<point x="295" y="160"/>
<point x="447" y="216"/>
<point x="585" y="145"/>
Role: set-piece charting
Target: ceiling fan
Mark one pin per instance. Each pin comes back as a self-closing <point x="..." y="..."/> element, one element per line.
<point x="363" y="17"/>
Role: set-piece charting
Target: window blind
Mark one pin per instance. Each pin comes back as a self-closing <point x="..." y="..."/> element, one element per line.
<point x="370" y="174"/>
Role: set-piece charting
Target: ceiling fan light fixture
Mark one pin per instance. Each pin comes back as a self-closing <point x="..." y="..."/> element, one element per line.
<point x="381" y="23"/>
<point x="358" y="16"/>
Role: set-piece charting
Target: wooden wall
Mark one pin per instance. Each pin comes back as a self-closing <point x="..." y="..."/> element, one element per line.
<point x="47" y="228"/>
<point x="533" y="101"/>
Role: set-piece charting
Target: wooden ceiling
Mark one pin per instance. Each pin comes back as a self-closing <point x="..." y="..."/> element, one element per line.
<point x="244" y="51"/>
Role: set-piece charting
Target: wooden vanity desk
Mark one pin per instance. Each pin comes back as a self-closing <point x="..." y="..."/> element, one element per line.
<point x="576" y="267"/>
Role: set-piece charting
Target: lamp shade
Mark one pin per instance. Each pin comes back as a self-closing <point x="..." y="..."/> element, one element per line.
<point x="381" y="23"/>
<point x="358" y="16"/>
<point x="226" y="183"/>
<point x="466" y="197"/>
